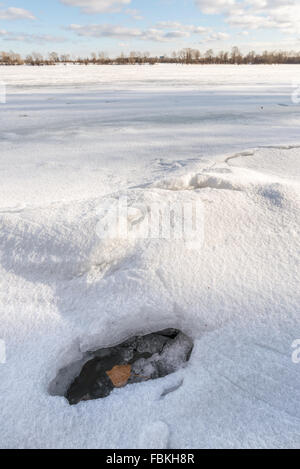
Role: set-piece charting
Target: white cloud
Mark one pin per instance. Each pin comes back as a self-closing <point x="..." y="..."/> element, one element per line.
<point x="97" y="6"/>
<point x="266" y="14"/>
<point x="13" y="13"/>
<point x="218" y="37"/>
<point x="283" y="15"/>
<point x="211" y="7"/>
<point x="30" y="38"/>
<point x="105" y="30"/>
<point x="188" y="28"/>
<point x="163" y="32"/>
<point x="135" y="14"/>
<point x="121" y="32"/>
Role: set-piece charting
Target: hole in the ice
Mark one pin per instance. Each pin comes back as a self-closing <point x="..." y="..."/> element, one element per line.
<point x="136" y="360"/>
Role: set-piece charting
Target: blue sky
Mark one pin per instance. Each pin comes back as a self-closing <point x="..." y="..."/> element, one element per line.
<point x="158" y="26"/>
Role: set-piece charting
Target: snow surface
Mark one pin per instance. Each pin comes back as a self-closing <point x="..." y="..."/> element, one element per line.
<point x="227" y="137"/>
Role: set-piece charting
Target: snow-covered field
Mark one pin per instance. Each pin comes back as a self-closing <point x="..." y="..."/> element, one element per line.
<point x="223" y="137"/>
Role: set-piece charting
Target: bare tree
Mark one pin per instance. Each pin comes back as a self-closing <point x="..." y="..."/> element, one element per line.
<point x="184" y="56"/>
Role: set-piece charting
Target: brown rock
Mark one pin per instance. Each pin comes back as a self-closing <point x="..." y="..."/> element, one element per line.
<point x="119" y="375"/>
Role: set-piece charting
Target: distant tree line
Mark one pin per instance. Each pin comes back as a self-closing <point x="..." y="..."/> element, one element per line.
<point x="184" y="56"/>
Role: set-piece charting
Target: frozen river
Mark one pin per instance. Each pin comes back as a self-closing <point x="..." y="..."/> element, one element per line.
<point x="133" y="122"/>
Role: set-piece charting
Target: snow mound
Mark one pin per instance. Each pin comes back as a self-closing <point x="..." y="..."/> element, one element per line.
<point x="198" y="181"/>
<point x="236" y="295"/>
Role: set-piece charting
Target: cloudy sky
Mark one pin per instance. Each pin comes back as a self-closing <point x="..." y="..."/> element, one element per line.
<point x="157" y="26"/>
